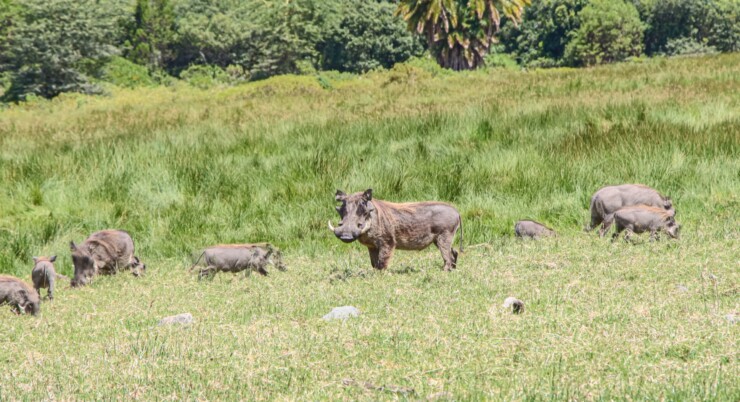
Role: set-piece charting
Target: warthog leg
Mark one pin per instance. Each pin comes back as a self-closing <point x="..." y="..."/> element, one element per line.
<point x="374" y="255"/>
<point x="384" y="256"/>
<point x="444" y="244"/>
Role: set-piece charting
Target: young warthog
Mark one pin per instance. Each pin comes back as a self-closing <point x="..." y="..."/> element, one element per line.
<point x="239" y="257"/>
<point x="383" y="226"/>
<point x="105" y="252"/>
<point x="44" y="276"/>
<point x="19" y="295"/>
<point x="641" y="219"/>
<point x="532" y="229"/>
<point x="609" y="199"/>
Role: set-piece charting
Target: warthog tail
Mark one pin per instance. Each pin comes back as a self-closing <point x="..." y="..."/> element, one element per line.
<point x="461" y="234"/>
<point x="197" y="261"/>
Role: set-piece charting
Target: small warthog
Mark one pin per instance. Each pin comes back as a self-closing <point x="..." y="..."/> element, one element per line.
<point x="239" y="257"/>
<point x="384" y="226"/>
<point x="44" y="275"/>
<point x="19" y="295"/>
<point x="105" y="252"/>
<point x="532" y="229"/>
<point x="639" y="219"/>
<point x="609" y="199"/>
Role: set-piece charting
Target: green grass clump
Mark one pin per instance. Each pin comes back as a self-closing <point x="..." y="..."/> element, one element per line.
<point x="182" y="168"/>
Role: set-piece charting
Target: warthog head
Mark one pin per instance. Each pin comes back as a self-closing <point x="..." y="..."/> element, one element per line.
<point x="672" y="228"/>
<point x="84" y="266"/>
<point x="355" y="212"/>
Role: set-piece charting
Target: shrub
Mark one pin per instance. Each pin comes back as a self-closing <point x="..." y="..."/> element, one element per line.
<point x="205" y="76"/>
<point x="687" y="47"/>
<point x="610" y="31"/>
<point x="368" y="36"/>
<point x="124" y="73"/>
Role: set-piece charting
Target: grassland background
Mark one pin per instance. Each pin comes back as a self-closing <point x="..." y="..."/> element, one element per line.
<point x="181" y="168"/>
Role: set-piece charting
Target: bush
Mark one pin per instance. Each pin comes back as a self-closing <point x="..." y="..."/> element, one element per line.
<point x="546" y="28"/>
<point x="500" y="60"/>
<point x="610" y="31"/>
<point x="687" y="47"/>
<point x="123" y="73"/>
<point x="368" y="36"/>
<point x="205" y="76"/>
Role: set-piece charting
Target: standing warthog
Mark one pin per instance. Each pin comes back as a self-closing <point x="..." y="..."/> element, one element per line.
<point x="44" y="275"/>
<point x="19" y="295"/>
<point x="384" y="226"/>
<point x="609" y="199"/>
<point x="105" y="252"/>
<point x="532" y="229"/>
<point x="641" y="219"/>
<point x="240" y="257"/>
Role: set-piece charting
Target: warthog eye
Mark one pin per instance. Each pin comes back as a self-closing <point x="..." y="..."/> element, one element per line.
<point x="359" y="225"/>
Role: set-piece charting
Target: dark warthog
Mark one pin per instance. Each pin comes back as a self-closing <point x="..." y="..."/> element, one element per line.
<point x="44" y="275"/>
<point x="240" y="257"/>
<point x="385" y="226"/>
<point x="19" y="295"/>
<point x="105" y="252"/>
<point x="532" y="229"/>
<point x="609" y="199"/>
<point x="641" y="219"/>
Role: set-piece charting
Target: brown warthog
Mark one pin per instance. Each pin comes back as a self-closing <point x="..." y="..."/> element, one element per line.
<point x="240" y="257"/>
<point x="105" y="252"/>
<point x="19" y="295"/>
<point x="384" y="226"/>
<point x="639" y="219"/>
<point x="44" y="275"/>
<point x="532" y="229"/>
<point x="609" y="199"/>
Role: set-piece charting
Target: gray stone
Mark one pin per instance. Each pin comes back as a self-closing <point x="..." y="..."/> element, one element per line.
<point x="682" y="288"/>
<point x="182" y="319"/>
<point x="341" y="313"/>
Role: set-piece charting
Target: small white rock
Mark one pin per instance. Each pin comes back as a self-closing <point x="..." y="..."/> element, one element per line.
<point x="184" y="318"/>
<point x="732" y="318"/>
<point x="341" y="313"/>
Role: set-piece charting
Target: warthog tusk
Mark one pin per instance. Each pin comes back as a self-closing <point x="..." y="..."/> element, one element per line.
<point x="330" y="226"/>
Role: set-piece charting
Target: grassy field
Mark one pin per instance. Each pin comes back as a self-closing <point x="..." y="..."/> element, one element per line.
<point x="181" y="169"/>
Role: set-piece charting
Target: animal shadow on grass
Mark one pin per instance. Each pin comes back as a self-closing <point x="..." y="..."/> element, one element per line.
<point x="345" y="273"/>
<point x="406" y="269"/>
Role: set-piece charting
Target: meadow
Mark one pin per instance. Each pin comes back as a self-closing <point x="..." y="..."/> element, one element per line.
<point x="182" y="168"/>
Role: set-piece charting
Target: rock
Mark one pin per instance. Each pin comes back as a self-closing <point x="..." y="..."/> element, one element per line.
<point x="732" y="318"/>
<point x="341" y="313"/>
<point x="516" y="305"/>
<point x="440" y="396"/>
<point x="184" y="318"/>
<point x="682" y="288"/>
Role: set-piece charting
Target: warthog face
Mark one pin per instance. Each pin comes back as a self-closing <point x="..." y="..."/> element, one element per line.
<point x="84" y="266"/>
<point x="355" y="213"/>
<point x="672" y="228"/>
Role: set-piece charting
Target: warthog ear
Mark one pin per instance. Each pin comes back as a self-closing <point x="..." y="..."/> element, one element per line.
<point x="35" y="259"/>
<point x="340" y="195"/>
<point x="53" y="258"/>
<point x="72" y="246"/>
<point x="368" y="194"/>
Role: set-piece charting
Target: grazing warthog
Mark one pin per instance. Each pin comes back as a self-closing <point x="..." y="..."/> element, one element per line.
<point x="384" y="226"/>
<point x="105" y="252"/>
<point x="240" y="257"/>
<point x="532" y="229"/>
<point x="641" y="219"/>
<point x="609" y="199"/>
<point x="19" y="295"/>
<point x="44" y="275"/>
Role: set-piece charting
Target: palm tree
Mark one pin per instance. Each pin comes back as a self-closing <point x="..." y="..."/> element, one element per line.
<point x="459" y="32"/>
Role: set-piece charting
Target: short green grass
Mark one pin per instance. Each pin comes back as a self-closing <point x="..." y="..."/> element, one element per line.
<point x="181" y="168"/>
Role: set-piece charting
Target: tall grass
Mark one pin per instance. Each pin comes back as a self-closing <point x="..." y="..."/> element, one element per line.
<point x="182" y="168"/>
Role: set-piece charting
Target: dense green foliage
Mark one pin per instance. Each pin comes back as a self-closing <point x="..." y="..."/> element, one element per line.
<point x="609" y="31"/>
<point x="55" y="46"/>
<point x="182" y="168"/>
<point x="459" y="33"/>
<point x="60" y="46"/>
